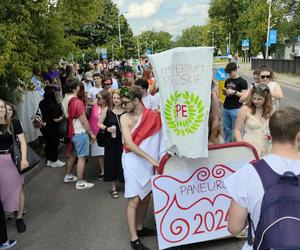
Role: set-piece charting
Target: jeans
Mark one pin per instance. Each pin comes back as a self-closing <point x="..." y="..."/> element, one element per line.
<point x="229" y="117"/>
<point x="81" y="143"/>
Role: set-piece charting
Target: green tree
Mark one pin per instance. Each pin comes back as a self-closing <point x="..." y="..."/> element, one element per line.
<point x="159" y="41"/>
<point x="104" y="31"/>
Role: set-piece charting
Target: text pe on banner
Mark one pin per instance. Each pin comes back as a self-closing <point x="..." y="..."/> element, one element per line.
<point x="184" y="78"/>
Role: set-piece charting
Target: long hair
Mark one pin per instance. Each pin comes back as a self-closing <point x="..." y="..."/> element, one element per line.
<point x="14" y="114"/>
<point x="117" y="92"/>
<point x="81" y="94"/>
<point x="7" y="122"/>
<point x="49" y="95"/>
<point x="267" y="107"/>
<point x="106" y="96"/>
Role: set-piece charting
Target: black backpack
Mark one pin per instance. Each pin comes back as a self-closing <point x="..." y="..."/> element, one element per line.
<point x="279" y="223"/>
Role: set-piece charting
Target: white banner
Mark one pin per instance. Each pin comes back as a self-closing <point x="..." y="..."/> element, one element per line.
<point x="184" y="78"/>
<point x="191" y="205"/>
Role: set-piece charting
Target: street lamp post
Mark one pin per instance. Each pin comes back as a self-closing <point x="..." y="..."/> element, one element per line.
<point x="119" y="26"/>
<point x="269" y="21"/>
<point x="138" y="46"/>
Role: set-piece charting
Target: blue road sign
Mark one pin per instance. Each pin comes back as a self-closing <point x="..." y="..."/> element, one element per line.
<point x="267" y="44"/>
<point x="272" y="36"/>
<point x="298" y="39"/>
<point x="149" y="51"/>
<point x="221" y="74"/>
<point x="245" y="43"/>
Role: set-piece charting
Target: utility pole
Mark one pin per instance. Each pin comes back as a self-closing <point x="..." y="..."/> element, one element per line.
<point x="229" y="43"/>
<point x="119" y="26"/>
<point x="269" y="22"/>
<point x="138" y="46"/>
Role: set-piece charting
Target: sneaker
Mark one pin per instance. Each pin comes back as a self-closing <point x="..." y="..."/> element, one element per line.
<point x="60" y="162"/>
<point x="70" y="178"/>
<point x="8" y="244"/>
<point x="57" y="164"/>
<point x="146" y="232"/>
<point x="100" y="177"/>
<point x="138" y="245"/>
<point x="83" y="185"/>
<point x="48" y="164"/>
<point x="9" y="216"/>
<point x="21" y="227"/>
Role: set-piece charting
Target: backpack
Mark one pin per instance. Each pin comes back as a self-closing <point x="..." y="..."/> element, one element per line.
<point x="279" y="222"/>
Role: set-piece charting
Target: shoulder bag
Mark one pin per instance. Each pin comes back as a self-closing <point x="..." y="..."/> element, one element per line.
<point x="32" y="158"/>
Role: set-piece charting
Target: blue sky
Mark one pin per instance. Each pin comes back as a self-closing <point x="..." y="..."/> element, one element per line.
<point x="172" y="16"/>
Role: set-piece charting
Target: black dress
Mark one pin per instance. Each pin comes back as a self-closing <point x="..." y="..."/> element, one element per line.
<point x="113" y="148"/>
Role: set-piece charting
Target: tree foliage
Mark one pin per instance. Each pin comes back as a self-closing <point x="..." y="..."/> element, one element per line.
<point x="35" y="34"/>
<point x="243" y="19"/>
<point x="159" y="41"/>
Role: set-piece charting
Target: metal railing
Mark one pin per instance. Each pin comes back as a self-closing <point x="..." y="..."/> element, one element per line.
<point x="278" y="65"/>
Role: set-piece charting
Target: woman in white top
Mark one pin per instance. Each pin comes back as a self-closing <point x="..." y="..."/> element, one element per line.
<point x="253" y="119"/>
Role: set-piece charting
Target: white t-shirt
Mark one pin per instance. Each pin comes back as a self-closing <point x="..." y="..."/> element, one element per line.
<point x="87" y="86"/>
<point x="115" y="84"/>
<point x="246" y="188"/>
<point x="150" y="102"/>
<point x="93" y="92"/>
<point x="78" y="128"/>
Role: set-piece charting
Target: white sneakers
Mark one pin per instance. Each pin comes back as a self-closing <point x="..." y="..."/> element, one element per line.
<point x="56" y="164"/>
<point x="84" y="185"/>
<point x="70" y="178"/>
<point x="79" y="184"/>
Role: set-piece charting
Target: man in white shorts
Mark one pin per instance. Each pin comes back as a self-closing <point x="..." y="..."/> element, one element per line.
<point x="141" y="130"/>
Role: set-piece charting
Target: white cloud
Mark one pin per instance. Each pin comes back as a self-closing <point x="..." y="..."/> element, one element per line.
<point x="194" y="10"/>
<point x="146" y="9"/>
<point x="173" y="26"/>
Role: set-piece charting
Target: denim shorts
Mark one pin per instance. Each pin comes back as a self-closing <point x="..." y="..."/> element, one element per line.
<point x="81" y="143"/>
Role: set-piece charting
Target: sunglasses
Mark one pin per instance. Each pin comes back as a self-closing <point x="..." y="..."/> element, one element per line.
<point x="265" y="76"/>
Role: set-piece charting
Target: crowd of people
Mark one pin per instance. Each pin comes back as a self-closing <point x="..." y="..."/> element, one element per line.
<point x="112" y="111"/>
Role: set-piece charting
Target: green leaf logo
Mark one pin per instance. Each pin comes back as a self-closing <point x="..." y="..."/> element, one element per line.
<point x="194" y="113"/>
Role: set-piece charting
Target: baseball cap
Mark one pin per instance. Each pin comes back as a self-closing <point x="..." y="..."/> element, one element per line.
<point x="88" y="76"/>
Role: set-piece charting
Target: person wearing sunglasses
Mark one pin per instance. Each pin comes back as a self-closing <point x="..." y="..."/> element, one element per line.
<point x="265" y="76"/>
<point x="107" y="84"/>
<point x="143" y="147"/>
<point x="253" y="119"/>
